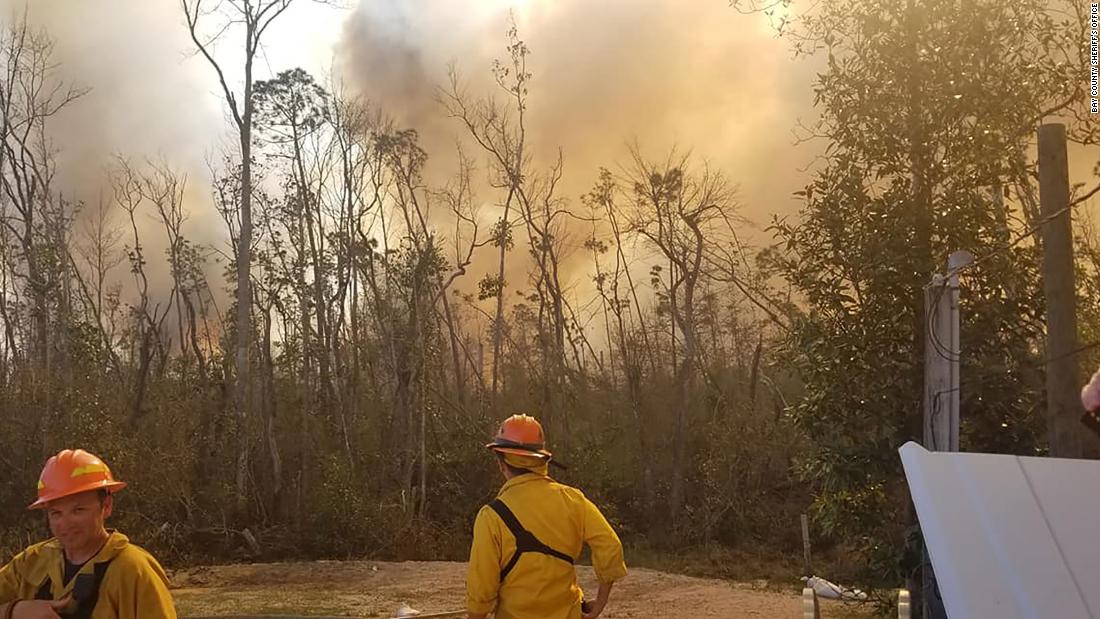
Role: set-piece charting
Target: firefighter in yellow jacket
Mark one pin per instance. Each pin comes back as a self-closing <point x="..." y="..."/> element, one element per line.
<point x="526" y="541"/>
<point x="85" y="571"/>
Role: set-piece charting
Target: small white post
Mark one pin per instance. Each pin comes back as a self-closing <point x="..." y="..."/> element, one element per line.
<point x="904" y="611"/>
<point x="809" y="604"/>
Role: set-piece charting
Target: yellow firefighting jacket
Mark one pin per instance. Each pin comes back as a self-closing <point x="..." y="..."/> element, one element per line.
<point x="131" y="584"/>
<point x="539" y="586"/>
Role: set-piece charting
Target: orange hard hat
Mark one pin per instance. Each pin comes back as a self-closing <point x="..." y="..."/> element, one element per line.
<point x="521" y="435"/>
<point x="73" y="471"/>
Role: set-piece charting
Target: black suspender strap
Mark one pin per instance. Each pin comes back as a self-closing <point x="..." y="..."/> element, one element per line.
<point x="525" y="540"/>
<point x="85" y="591"/>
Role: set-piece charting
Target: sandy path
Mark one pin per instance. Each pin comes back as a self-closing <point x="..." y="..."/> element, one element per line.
<point x="376" y="589"/>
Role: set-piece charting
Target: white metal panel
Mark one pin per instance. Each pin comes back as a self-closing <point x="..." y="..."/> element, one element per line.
<point x="997" y="542"/>
<point x="1068" y="491"/>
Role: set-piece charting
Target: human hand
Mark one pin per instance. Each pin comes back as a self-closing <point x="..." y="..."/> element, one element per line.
<point x="591" y="610"/>
<point x="1090" y="393"/>
<point x="40" y="609"/>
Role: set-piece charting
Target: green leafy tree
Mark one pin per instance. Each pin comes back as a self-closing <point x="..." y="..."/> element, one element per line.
<point x="928" y="110"/>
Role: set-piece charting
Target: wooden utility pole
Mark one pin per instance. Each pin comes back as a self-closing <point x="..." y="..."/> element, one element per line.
<point x="1059" y="286"/>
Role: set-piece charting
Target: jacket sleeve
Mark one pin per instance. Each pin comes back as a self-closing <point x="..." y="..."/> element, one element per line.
<point x="607" y="550"/>
<point x="145" y="592"/>
<point x="12" y="577"/>
<point x="483" y="572"/>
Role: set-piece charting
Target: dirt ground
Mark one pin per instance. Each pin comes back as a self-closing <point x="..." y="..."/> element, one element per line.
<point x="376" y="589"/>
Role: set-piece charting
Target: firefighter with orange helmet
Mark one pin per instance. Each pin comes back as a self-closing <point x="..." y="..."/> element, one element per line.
<point x="85" y="570"/>
<point x="527" y="540"/>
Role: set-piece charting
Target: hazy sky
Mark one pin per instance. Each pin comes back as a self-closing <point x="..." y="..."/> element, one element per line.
<point x="691" y="73"/>
<point x="694" y="75"/>
<point x="688" y="73"/>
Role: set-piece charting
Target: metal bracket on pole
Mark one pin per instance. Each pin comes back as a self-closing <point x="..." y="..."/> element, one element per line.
<point x="942" y="354"/>
<point x="941" y="357"/>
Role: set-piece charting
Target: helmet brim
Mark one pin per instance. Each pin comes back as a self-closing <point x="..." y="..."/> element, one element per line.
<point x="110" y="486"/>
<point x="542" y="454"/>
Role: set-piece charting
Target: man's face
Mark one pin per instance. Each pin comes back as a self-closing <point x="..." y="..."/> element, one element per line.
<point x="78" y="520"/>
